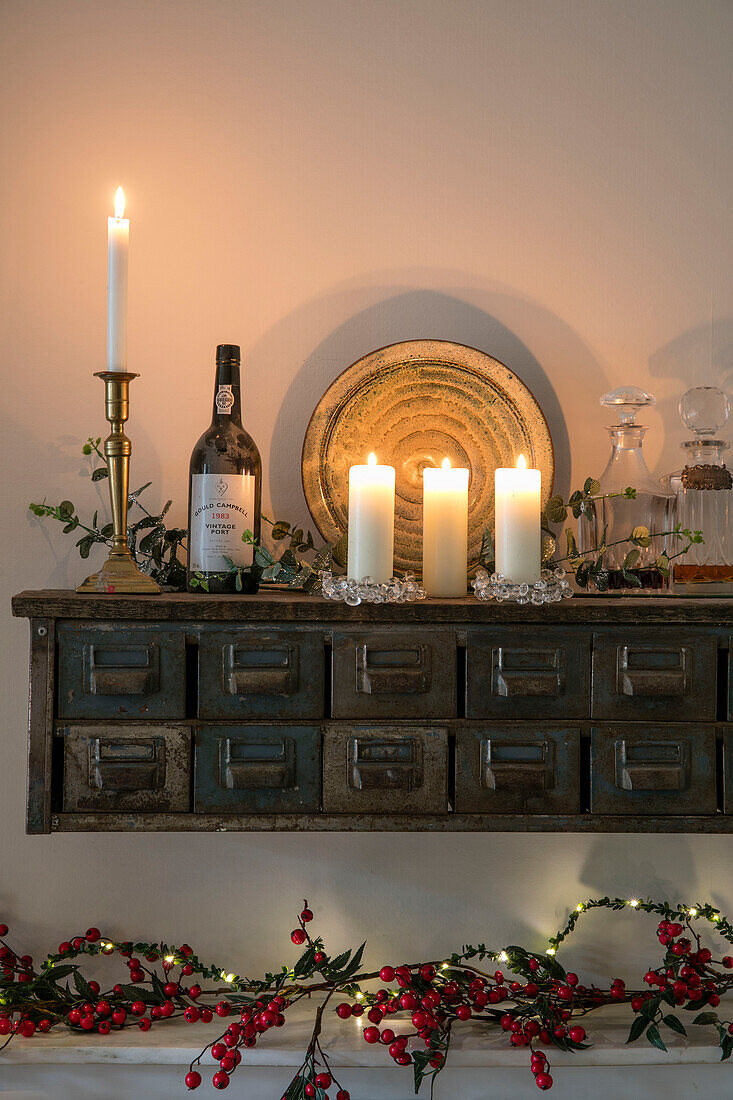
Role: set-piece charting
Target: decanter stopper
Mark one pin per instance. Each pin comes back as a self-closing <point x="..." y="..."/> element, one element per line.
<point x="704" y="410"/>
<point x="627" y="402"/>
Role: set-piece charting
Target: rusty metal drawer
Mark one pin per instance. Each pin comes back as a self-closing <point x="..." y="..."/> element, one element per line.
<point x="655" y="675"/>
<point x="728" y="770"/>
<point x="399" y="674"/>
<point x="109" y="672"/>
<point x="527" y="674"/>
<point x="530" y="768"/>
<point x="275" y="674"/>
<point x="257" y="769"/>
<point x="646" y="770"/>
<point x="385" y="769"/>
<point x="145" y="768"/>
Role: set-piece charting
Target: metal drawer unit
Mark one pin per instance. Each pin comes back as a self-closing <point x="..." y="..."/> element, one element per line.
<point x="257" y="769"/>
<point x="511" y="675"/>
<point x="655" y="675"/>
<point x="131" y="672"/>
<point x="123" y="767"/>
<point x="385" y="769"/>
<point x="249" y="673"/>
<point x="653" y="769"/>
<point x="400" y="674"/>
<point x="281" y="711"/>
<point x="520" y="769"/>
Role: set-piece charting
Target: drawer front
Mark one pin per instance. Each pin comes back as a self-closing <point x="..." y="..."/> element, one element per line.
<point x="653" y="770"/>
<point x="257" y="769"/>
<point x="144" y="768"/>
<point x="655" y="675"/>
<point x="527" y="674"/>
<point x="728" y="770"/>
<point x="531" y="769"/>
<point x="385" y="769"/>
<point x="400" y="674"/>
<point x="135" y="672"/>
<point x="256" y="674"/>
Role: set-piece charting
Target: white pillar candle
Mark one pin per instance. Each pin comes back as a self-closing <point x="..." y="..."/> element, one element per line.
<point x="371" y="521"/>
<point x="118" y="247"/>
<point x="518" y="540"/>
<point x="445" y="530"/>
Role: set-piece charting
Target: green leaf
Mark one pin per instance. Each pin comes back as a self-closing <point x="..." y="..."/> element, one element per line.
<point x="640" y="536"/>
<point x="674" y="1024"/>
<point x="631" y="578"/>
<point x="280" y="530"/>
<point x="85" y="546"/>
<point x="726" y="1047"/>
<point x="83" y="987"/>
<point x="637" y="1027"/>
<point x="649" y="1008"/>
<point x="573" y="551"/>
<point x="652" y="1034"/>
<point x="706" y="1018"/>
<point x="154" y="536"/>
<point x="56" y="973"/>
<point x="136" y="492"/>
<point x="66" y="509"/>
<point x="591" y="487"/>
<point x="556" y="510"/>
<point x="99" y="473"/>
<point x="141" y="993"/>
<point x="631" y="559"/>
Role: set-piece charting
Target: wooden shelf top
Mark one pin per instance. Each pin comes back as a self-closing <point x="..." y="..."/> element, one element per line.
<point x="282" y="605"/>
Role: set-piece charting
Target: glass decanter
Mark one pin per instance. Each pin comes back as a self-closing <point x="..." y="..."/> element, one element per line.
<point x="704" y="495"/>
<point x="614" y="519"/>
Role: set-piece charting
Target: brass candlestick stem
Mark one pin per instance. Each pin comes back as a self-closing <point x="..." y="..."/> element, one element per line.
<point x="119" y="573"/>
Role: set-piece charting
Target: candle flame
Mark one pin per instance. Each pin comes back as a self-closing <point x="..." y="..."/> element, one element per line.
<point x="521" y="463"/>
<point x="446" y="464"/>
<point x="119" y="203"/>
<point x="372" y="460"/>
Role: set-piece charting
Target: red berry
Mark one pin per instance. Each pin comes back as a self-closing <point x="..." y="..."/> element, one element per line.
<point x="93" y="934"/>
<point x="218" y="1051"/>
<point x="310" y="1089"/>
<point x="194" y="992"/>
<point x="371" y="1034"/>
<point x="206" y="1015"/>
<point x="463" y="1012"/>
<point x="228" y="1063"/>
<point x="636" y="1003"/>
<point x="408" y="1001"/>
<point x="507" y="1021"/>
<point x="193" y="1079"/>
<point x="298" y="936"/>
<point x="137" y="1008"/>
<point x="675" y="930"/>
<point x="6" y="1026"/>
<point x="103" y="1027"/>
<point x="357" y="1009"/>
<point x="119" y="1016"/>
<point x="306" y="916"/>
<point x="565" y="993"/>
<point x="343" y="1011"/>
<point x="577" y="1033"/>
<point x="144" y="1024"/>
<point x="427" y="972"/>
<point x="64" y="947"/>
<point x="87" y="1022"/>
<point x="342" y="1094"/>
<point x="3" y="929"/>
<point x="571" y="979"/>
<point x="170" y="989"/>
<point x="26" y="1028"/>
<point x="387" y="1036"/>
<point x="323" y="1081"/>
<point x="650" y="977"/>
<point x="223" y="1008"/>
<point x="728" y="962"/>
<point x="103" y="1008"/>
<point x="387" y="974"/>
<point x="220" y="1080"/>
<point x="191" y="1015"/>
<point x="137" y="976"/>
<point x="544" y="1081"/>
<point x="44" y="1025"/>
<point x="319" y="957"/>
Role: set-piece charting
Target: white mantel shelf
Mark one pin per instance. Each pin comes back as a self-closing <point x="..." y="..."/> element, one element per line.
<point x="481" y="1065"/>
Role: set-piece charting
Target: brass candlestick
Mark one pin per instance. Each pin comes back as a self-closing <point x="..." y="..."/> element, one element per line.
<point x="119" y="573"/>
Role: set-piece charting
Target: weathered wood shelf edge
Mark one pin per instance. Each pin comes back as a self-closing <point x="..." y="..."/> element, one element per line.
<point x="613" y="714"/>
<point x="295" y="607"/>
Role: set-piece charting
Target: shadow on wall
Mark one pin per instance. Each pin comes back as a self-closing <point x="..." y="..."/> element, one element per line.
<point x="417" y="314"/>
<point x="702" y="356"/>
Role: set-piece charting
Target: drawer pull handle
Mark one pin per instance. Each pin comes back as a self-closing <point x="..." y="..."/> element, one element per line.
<point x="248" y="765"/>
<point x="518" y="673"/>
<point x="384" y="765"/>
<point x="527" y="768"/>
<point x="651" y="766"/>
<point x="127" y="765"/>
<point x="653" y="672"/>
<point x="260" y="671"/>
<point x="393" y="671"/>
<point x="121" y="670"/>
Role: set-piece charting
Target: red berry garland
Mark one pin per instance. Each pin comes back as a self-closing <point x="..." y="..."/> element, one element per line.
<point x="425" y="1000"/>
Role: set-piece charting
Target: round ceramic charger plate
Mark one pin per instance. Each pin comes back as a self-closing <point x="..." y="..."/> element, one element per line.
<point x="414" y="404"/>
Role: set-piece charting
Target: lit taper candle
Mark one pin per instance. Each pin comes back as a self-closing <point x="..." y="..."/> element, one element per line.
<point x="445" y="530"/>
<point x="118" y="248"/>
<point x="517" y="507"/>
<point x="371" y="521"/>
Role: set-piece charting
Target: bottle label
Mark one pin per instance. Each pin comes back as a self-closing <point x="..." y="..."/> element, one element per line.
<point x="222" y="509"/>
<point x="224" y="400"/>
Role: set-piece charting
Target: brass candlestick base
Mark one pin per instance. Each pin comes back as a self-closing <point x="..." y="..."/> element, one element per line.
<point x="119" y="574"/>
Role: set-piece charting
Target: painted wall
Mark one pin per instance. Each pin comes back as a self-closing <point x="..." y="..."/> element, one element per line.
<point x="549" y="182"/>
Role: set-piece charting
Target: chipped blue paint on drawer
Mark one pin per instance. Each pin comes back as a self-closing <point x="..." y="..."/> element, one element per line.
<point x="257" y="769"/>
<point x="113" y="671"/>
<point x="249" y="674"/>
